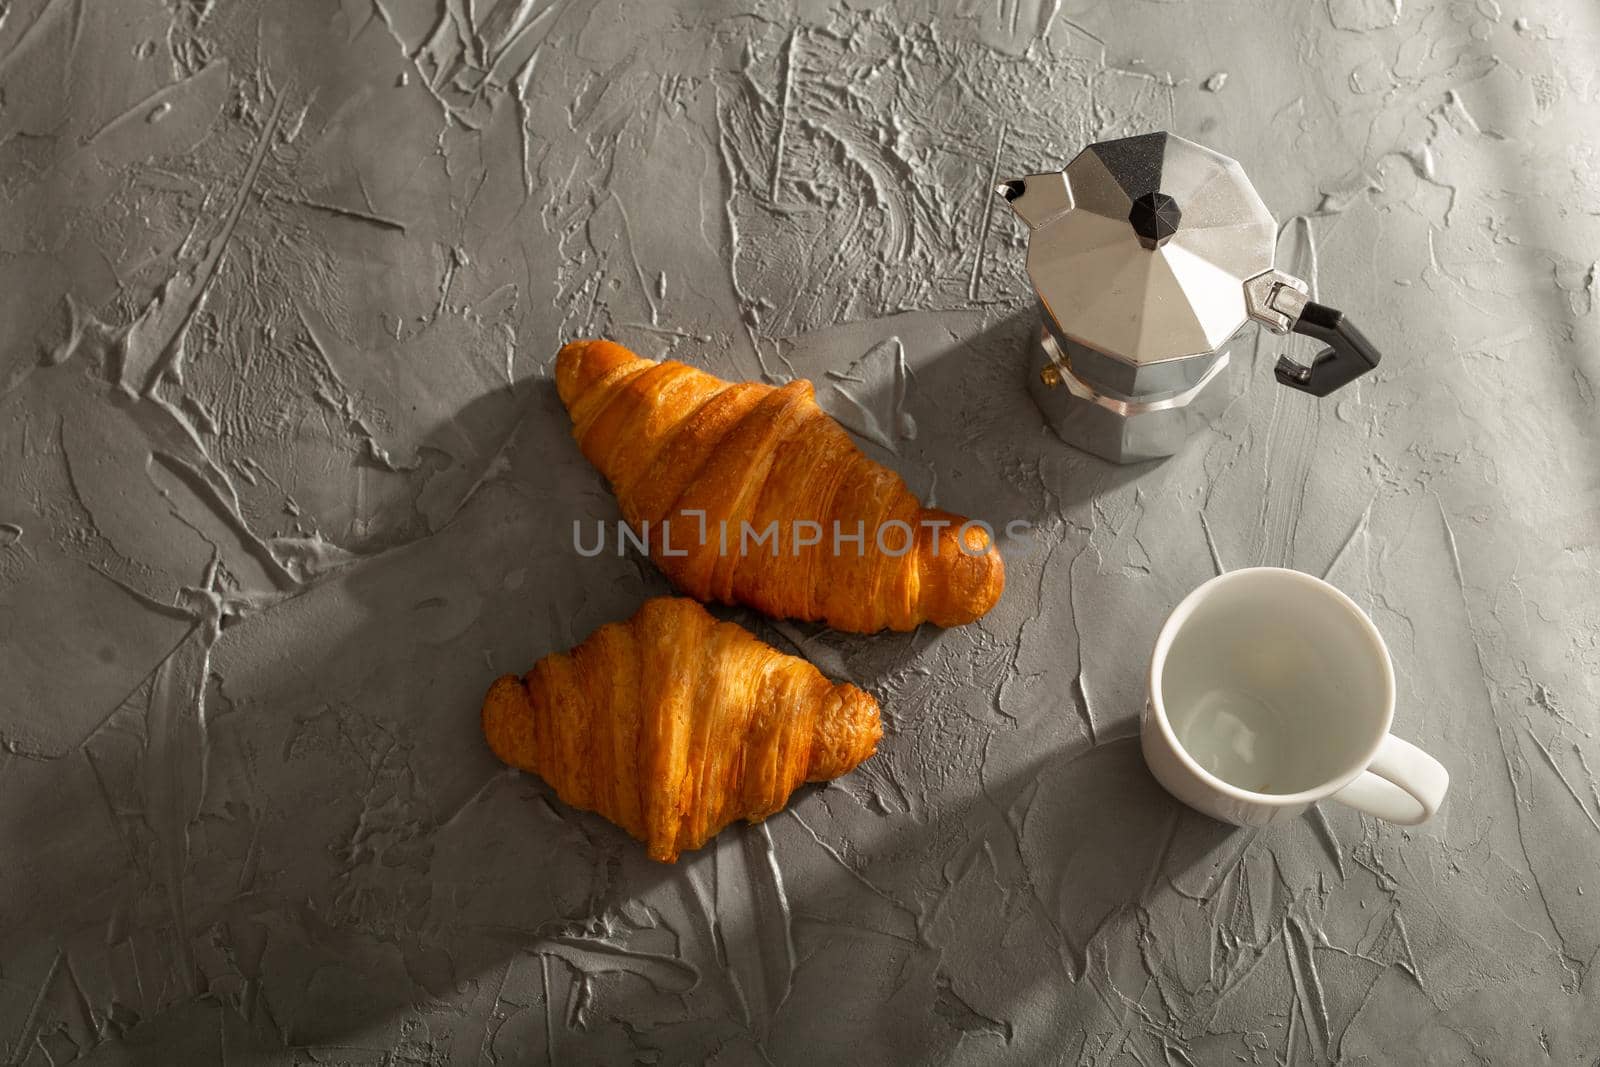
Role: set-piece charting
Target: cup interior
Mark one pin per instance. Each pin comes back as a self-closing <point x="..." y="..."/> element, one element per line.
<point x="1274" y="682"/>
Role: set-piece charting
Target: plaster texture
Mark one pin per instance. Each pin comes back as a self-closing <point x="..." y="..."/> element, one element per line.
<point x="284" y="484"/>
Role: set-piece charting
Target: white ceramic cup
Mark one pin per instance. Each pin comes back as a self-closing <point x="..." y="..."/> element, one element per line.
<point x="1271" y="690"/>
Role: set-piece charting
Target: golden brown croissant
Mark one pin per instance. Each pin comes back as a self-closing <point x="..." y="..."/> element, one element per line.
<point x="672" y="725"/>
<point x="750" y="493"/>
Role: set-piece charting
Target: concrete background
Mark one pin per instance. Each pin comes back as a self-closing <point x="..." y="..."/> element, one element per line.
<point x="284" y="484"/>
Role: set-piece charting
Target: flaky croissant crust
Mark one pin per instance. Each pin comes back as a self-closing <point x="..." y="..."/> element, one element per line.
<point x="687" y="452"/>
<point x="673" y="725"/>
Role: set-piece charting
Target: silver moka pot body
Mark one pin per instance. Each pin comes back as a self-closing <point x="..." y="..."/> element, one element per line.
<point x="1150" y="256"/>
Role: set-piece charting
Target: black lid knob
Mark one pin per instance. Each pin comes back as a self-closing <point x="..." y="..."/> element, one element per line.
<point x="1155" y="217"/>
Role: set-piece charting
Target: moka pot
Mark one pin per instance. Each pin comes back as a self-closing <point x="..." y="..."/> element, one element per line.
<point x="1151" y="256"/>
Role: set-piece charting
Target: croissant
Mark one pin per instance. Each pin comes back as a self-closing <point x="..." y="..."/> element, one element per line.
<point x="750" y="493"/>
<point x="673" y="725"/>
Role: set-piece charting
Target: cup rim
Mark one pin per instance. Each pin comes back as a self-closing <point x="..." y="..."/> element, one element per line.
<point x="1180" y="615"/>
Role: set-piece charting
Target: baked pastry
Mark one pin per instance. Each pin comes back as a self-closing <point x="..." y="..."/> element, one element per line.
<point x="750" y="493"/>
<point x="673" y="725"/>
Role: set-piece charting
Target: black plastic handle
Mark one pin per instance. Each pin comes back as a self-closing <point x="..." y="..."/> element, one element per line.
<point x="1348" y="356"/>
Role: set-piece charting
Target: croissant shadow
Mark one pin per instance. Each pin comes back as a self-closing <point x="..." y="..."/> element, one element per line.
<point x="490" y="872"/>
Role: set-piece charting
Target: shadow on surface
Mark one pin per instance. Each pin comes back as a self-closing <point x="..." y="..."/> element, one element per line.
<point x="361" y="861"/>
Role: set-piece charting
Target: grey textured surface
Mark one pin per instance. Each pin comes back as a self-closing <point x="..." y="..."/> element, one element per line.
<point x="283" y="485"/>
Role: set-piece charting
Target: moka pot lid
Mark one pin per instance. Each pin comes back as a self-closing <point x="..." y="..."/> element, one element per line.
<point x="1141" y="247"/>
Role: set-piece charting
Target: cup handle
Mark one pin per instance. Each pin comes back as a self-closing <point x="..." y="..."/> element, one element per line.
<point x="1403" y="784"/>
